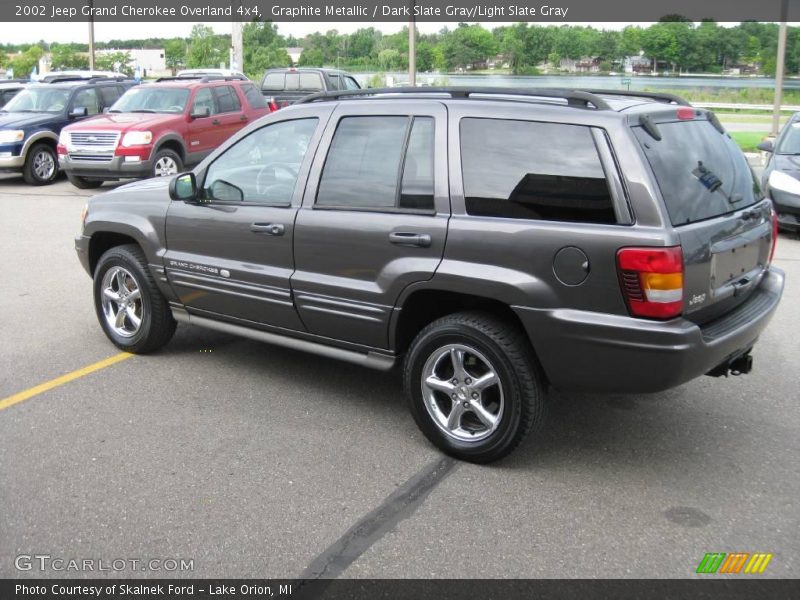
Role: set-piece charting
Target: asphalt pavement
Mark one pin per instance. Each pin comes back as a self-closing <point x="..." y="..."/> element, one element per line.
<point x="256" y="461"/>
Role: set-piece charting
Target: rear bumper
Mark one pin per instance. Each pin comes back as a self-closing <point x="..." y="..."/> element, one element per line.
<point x="581" y="350"/>
<point x="116" y="168"/>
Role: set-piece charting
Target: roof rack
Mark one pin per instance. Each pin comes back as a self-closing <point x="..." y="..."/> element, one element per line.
<point x="94" y="79"/>
<point x="203" y="78"/>
<point x="657" y="96"/>
<point x="575" y="98"/>
<point x="15" y="80"/>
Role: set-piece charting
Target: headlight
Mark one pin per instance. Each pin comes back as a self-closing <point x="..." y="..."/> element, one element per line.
<point x="784" y="183"/>
<point x="9" y="136"/>
<point x="137" y="138"/>
<point x="84" y="214"/>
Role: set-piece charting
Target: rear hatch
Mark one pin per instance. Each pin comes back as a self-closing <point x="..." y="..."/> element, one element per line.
<point x="714" y="201"/>
<point x="287" y="87"/>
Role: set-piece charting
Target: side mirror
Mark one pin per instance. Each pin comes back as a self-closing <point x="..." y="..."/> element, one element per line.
<point x="78" y="112"/>
<point x="766" y="146"/>
<point x="183" y="187"/>
<point x="200" y="112"/>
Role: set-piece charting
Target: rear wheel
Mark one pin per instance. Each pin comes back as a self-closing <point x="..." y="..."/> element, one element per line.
<point x="474" y="386"/>
<point x="132" y="311"/>
<point x="166" y="162"/>
<point x="83" y="183"/>
<point x="41" y="165"/>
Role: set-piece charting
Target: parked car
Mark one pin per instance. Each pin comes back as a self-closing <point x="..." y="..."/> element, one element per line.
<point x="157" y="129"/>
<point x="494" y="242"/>
<point x="10" y="88"/>
<point x="781" y="176"/>
<point x="283" y="87"/>
<point x="32" y="120"/>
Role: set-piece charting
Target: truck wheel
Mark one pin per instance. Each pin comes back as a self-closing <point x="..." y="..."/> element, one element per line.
<point x="474" y="386"/>
<point x="132" y="311"/>
<point x="41" y="165"/>
<point x="83" y="183"/>
<point x="166" y="163"/>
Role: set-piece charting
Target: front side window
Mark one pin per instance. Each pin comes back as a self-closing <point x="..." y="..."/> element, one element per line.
<point x="528" y="170"/>
<point x="204" y="102"/>
<point x="380" y="162"/>
<point x="262" y="167"/>
<point x="351" y="84"/>
<point x="87" y="99"/>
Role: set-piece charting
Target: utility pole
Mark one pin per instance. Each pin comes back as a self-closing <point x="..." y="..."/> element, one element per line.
<point x="91" y="35"/>
<point x="780" y="66"/>
<point x="412" y="48"/>
<point x="237" y="47"/>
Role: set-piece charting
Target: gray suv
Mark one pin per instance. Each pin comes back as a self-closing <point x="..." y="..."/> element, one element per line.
<point x="493" y="241"/>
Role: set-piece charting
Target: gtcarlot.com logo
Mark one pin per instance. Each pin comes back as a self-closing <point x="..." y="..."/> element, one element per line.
<point x="734" y="563"/>
<point x="46" y="562"/>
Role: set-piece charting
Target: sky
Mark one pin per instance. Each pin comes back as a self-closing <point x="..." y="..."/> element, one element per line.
<point x="22" y="33"/>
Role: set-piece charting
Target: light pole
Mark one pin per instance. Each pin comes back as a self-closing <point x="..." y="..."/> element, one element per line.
<point x="91" y="35"/>
<point x="779" y="68"/>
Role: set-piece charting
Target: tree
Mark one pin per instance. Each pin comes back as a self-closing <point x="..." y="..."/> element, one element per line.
<point x="120" y="62"/>
<point x="467" y="45"/>
<point x="63" y="56"/>
<point x="175" y="54"/>
<point x="206" y="49"/>
<point x="24" y="63"/>
<point x="264" y="48"/>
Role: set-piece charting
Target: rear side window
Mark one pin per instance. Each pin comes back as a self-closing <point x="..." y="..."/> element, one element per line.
<point x="527" y="170"/>
<point x="254" y="98"/>
<point x="227" y="100"/>
<point x="701" y="172"/>
<point x="380" y="162"/>
<point x="109" y="94"/>
<point x="274" y="82"/>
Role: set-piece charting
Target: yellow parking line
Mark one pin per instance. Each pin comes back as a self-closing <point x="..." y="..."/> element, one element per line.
<point x="54" y="383"/>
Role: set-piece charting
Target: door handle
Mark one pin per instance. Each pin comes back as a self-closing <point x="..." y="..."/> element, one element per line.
<point x="243" y="118"/>
<point x="215" y="122"/>
<point x="268" y="228"/>
<point x="407" y="238"/>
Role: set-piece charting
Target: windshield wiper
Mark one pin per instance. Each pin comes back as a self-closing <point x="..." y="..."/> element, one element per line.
<point x="114" y="110"/>
<point x="142" y="110"/>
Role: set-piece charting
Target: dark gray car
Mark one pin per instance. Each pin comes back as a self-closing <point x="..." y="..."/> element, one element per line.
<point x="781" y="177"/>
<point x="494" y="242"/>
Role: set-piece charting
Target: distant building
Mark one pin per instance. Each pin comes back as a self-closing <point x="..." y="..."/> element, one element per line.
<point x="637" y="64"/>
<point x="294" y="54"/>
<point x="151" y="61"/>
<point x="586" y="64"/>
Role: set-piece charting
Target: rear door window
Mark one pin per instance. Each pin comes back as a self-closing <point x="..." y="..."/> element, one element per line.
<point x="701" y="172"/>
<point x="528" y="170"/>
<point x="227" y="100"/>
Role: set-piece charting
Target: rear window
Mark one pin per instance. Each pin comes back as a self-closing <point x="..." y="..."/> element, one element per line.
<point x="701" y="172"/>
<point x="274" y="82"/>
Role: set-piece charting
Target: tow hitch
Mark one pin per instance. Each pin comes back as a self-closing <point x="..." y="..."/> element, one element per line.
<point x="740" y="365"/>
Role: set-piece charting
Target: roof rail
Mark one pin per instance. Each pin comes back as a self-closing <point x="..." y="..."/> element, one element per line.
<point x="657" y="96"/>
<point x="203" y="78"/>
<point x="575" y="98"/>
<point x="93" y="79"/>
<point x="15" y="80"/>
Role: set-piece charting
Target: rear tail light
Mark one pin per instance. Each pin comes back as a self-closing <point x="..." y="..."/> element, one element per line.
<point x="652" y="281"/>
<point x="774" y="216"/>
<point x="273" y="106"/>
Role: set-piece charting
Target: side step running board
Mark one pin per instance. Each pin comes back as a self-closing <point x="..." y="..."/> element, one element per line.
<point x="372" y="360"/>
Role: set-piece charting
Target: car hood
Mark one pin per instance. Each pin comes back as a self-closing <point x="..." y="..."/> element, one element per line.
<point x="18" y="120"/>
<point x="125" y="121"/>
<point x="787" y="163"/>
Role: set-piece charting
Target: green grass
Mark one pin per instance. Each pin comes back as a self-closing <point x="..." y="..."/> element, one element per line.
<point x="748" y="140"/>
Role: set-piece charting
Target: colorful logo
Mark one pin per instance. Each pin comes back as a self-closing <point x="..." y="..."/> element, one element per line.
<point x="734" y="562"/>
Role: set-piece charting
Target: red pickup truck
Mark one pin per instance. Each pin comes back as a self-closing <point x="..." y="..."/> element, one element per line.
<point x="158" y="129"/>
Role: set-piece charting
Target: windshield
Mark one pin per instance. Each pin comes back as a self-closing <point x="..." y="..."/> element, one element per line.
<point x="789" y="143"/>
<point x="39" y="99"/>
<point x="701" y="172"/>
<point x="154" y="99"/>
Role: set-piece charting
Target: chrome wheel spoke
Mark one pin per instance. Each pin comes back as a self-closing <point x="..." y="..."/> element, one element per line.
<point x="485" y="381"/>
<point x="121" y="300"/>
<point x="110" y="294"/>
<point x="439" y="385"/>
<point x="119" y="320"/>
<point x="133" y="317"/>
<point x="457" y="357"/>
<point x="134" y="295"/>
<point x="487" y="418"/>
<point x="454" y="418"/>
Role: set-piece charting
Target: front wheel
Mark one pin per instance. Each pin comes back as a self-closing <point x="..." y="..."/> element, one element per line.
<point x="166" y="163"/>
<point x="474" y="386"/>
<point x="82" y="183"/>
<point x="41" y="165"/>
<point x="132" y="311"/>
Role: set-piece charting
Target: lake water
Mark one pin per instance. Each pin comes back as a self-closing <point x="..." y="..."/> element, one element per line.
<point x="589" y="81"/>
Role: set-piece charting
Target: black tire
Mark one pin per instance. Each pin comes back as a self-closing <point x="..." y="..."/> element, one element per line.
<point x="509" y="356"/>
<point x="34" y="171"/>
<point x="82" y="183"/>
<point x="156" y="322"/>
<point x="167" y="154"/>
